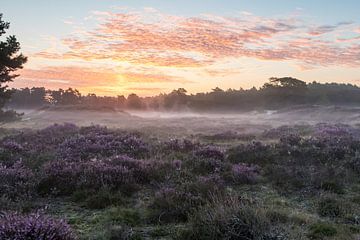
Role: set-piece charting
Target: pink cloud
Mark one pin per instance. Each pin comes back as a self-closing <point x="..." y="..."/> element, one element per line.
<point x="156" y="39"/>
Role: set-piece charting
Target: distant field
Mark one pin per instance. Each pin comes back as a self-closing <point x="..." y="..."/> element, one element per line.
<point x="188" y="122"/>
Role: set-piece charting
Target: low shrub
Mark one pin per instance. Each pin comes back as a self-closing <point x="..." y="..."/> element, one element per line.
<point x="34" y="227"/>
<point x="210" y="152"/>
<point x="173" y="205"/>
<point x="228" y="219"/>
<point x="244" y="174"/>
<point x="252" y="153"/>
<point x="65" y="177"/>
<point x="17" y="181"/>
<point x="96" y="144"/>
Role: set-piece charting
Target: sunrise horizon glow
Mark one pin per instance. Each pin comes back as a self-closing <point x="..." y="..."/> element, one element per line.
<point x="150" y="47"/>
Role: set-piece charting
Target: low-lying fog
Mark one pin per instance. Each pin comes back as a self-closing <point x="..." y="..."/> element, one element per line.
<point x="190" y="122"/>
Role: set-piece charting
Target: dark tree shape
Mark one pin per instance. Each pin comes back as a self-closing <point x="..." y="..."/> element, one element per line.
<point x="10" y="61"/>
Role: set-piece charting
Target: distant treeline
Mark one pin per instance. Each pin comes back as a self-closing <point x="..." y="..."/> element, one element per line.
<point x="275" y="94"/>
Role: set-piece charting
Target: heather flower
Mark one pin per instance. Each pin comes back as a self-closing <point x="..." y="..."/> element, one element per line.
<point x="243" y="173"/>
<point x="65" y="177"/>
<point x="16" y="181"/>
<point x="34" y="227"/>
<point x="93" y="145"/>
<point x="177" y="164"/>
<point x="210" y="152"/>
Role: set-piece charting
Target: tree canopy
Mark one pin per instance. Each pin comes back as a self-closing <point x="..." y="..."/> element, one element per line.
<point x="10" y="61"/>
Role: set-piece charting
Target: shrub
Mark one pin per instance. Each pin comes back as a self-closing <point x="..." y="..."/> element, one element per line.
<point x="321" y="231"/>
<point x="253" y="153"/>
<point x="144" y="171"/>
<point x="202" y="166"/>
<point x="16" y="181"/>
<point x="66" y="177"/>
<point x="101" y="144"/>
<point x="210" y="152"/>
<point x="173" y="205"/>
<point x="329" y="207"/>
<point x="244" y="174"/>
<point x="228" y="219"/>
<point x="34" y="227"/>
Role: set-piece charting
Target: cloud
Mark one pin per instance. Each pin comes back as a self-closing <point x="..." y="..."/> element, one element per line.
<point x="132" y="77"/>
<point x="324" y="29"/>
<point x="69" y="75"/>
<point x="78" y="76"/>
<point x="152" y="38"/>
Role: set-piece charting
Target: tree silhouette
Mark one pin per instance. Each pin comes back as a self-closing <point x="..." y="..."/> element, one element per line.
<point x="10" y="61"/>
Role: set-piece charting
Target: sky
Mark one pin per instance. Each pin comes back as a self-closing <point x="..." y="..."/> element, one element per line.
<point x="149" y="47"/>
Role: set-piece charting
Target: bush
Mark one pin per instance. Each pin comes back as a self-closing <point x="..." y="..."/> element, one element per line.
<point x="329" y="207"/>
<point x="228" y="219"/>
<point x="173" y="205"/>
<point x="101" y="143"/>
<point x="244" y="174"/>
<point x="34" y="227"/>
<point x="66" y="177"/>
<point x="16" y="181"/>
<point x="321" y="231"/>
<point x="252" y="153"/>
<point x="210" y="152"/>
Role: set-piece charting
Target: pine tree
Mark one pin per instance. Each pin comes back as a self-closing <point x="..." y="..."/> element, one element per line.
<point x="10" y="61"/>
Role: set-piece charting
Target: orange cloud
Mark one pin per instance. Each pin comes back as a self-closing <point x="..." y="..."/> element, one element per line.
<point x="132" y="77"/>
<point x="107" y="81"/>
<point x="72" y="76"/>
<point x="153" y="38"/>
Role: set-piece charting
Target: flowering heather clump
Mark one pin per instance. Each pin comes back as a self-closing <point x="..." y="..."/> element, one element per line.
<point x="12" y="146"/>
<point x="243" y="173"/>
<point x="143" y="171"/>
<point x="16" y="181"/>
<point x="10" y="152"/>
<point x="177" y="164"/>
<point x="92" y="145"/>
<point x="65" y="177"/>
<point x="338" y="130"/>
<point x="210" y="152"/>
<point x="45" y="139"/>
<point x="34" y="227"/>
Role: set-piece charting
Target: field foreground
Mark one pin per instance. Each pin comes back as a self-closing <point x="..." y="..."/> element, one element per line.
<point x="180" y="178"/>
